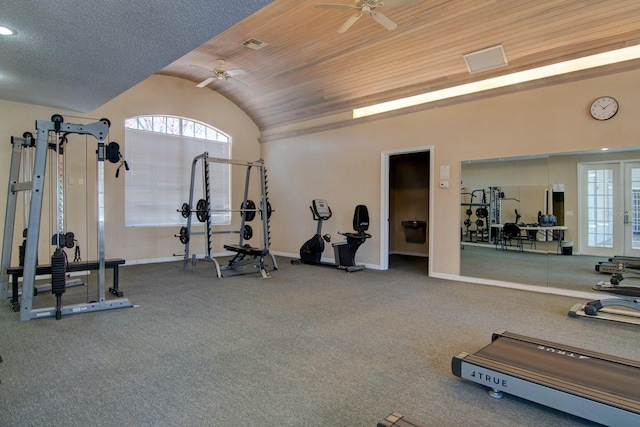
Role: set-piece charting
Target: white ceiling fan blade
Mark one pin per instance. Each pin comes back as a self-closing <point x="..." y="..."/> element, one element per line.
<point x="383" y="20"/>
<point x="334" y="6"/>
<point x="236" y="82"/>
<point x="349" y="22"/>
<point x="236" y="72"/>
<point x="393" y="3"/>
<point x="205" y="82"/>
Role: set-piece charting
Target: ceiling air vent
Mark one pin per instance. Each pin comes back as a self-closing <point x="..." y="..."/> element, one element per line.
<point x="485" y="59"/>
<point x="254" y="44"/>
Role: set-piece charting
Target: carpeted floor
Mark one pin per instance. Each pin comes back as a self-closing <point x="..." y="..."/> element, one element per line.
<point x="310" y="346"/>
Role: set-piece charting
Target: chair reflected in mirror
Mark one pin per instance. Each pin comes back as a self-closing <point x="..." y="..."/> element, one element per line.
<point x="514" y="236"/>
<point x="511" y="234"/>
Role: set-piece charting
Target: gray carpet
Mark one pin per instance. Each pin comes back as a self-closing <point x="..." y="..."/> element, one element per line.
<point x="310" y="346"/>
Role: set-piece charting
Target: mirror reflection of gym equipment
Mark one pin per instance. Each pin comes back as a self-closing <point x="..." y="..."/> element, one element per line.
<point x="52" y="135"/>
<point x="344" y="252"/>
<point x="563" y="180"/>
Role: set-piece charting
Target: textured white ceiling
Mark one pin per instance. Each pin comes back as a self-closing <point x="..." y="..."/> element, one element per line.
<point x="78" y="54"/>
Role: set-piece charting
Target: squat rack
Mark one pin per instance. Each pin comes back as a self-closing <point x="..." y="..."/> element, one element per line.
<point x="99" y="130"/>
<point x="204" y="211"/>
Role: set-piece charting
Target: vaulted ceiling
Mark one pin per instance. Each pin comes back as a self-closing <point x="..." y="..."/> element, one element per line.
<point x="309" y="71"/>
<point x="79" y="56"/>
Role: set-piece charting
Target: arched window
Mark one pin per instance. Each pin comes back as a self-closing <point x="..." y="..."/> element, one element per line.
<point x="159" y="151"/>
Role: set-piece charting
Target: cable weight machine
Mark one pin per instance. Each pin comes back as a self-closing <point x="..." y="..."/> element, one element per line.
<point x="244" y="253"/>
<point x="35" y="186"/>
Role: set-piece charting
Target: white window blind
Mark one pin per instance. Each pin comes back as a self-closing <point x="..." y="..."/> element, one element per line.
<point x="160" y="174"/>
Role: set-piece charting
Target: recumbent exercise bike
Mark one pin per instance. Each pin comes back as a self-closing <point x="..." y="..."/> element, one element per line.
<point x="345" y="252"/>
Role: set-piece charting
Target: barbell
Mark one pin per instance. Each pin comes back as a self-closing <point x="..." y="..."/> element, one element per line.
<point x="247" y="209"/>
<point x="247" y="234"/>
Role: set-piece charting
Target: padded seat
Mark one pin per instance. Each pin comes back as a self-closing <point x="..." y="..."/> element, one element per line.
<point x="247" y="250"/>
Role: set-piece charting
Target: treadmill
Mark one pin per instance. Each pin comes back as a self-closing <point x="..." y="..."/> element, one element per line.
<point x="591" y="385"/>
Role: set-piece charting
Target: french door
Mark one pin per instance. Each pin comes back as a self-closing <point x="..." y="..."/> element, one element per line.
<point x="609" y="198"/>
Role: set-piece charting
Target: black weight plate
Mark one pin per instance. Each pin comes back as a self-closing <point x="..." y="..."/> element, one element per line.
<point x="247" y="234"/>
<point x="186" y="210"/>
<point x="250" y="213"/>
<point x="202" y="210"/>
<point x="184" y="235"/>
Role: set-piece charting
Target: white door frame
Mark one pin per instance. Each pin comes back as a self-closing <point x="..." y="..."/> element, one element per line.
<point x="384" y="202"/>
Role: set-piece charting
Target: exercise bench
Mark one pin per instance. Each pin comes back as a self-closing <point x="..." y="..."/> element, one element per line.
<point x="247" y="250"/>
<point x="17" y="272"/>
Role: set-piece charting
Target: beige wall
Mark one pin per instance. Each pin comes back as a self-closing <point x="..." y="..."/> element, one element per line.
<point x="344" y="165"/>
<point x="156" y="95"/>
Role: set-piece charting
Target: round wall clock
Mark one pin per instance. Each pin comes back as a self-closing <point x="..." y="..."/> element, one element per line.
<point x="604" y="108"/>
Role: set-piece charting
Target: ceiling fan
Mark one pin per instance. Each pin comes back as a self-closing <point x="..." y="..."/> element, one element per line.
<point x="221" y="73"/>
<point x="367" y="7"/>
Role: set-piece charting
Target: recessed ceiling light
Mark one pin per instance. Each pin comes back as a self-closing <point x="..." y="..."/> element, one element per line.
<point x="5" y="31"/>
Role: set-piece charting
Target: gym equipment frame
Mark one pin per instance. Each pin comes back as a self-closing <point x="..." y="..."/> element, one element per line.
<point x="591" y="385"/>
<point x="203" y="212"/>
<point x="99" y="130"/>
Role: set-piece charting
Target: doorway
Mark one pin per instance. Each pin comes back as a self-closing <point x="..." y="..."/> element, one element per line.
<point x="609" y="195"/>
<point x="407" y="177"/>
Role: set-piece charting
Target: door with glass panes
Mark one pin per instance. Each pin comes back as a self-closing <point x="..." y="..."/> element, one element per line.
<point x="609" y="195"/>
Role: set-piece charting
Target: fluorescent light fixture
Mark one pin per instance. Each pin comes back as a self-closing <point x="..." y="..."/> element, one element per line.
<point x="5" y="31"/>
<point x="592" y="61"/>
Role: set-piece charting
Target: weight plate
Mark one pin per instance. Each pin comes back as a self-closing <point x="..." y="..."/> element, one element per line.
<point x="202" y="210"/>
<point x="269" y="210"/>
<point x="186" y="210"/>
<point x="184" y="235"/>
<point x="248" y="232"/>
<point x="248" y="210"/>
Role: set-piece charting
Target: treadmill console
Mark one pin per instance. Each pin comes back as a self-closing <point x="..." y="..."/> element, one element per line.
<point x="320" y="209"/>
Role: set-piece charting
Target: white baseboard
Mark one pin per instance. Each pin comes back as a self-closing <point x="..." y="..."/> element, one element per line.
<point x="418" y="254"/>
<point x="510" y="285"/>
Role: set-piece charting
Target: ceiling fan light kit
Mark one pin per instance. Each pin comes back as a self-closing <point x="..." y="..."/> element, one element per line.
<point x="221" y="73"/>
<point x="367" y="7"/>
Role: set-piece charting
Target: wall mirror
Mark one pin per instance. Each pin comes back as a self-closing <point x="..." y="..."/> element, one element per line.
<point x="573" y="211"/>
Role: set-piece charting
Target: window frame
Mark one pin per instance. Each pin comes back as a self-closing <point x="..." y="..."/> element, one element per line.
<point x="144" y="205"/>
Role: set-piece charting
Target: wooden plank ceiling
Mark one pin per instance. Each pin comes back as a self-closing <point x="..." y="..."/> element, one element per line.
<point x="308" y="70"/>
